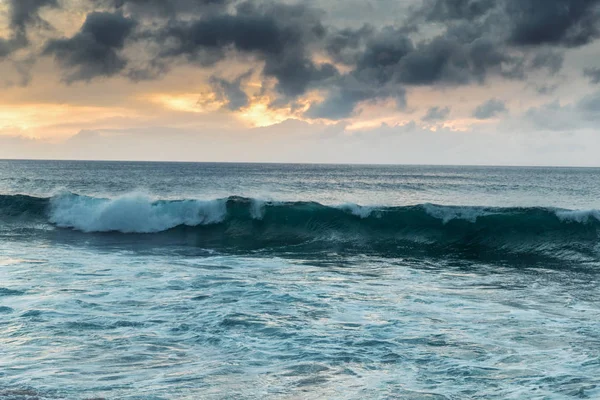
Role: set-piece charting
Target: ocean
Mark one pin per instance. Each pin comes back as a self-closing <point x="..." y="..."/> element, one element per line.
<point x="123" y="280"/>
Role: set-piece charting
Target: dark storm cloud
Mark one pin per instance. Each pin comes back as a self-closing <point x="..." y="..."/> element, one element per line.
<point x="344" y="45"/>
<point x="506" y="37"/>
<point x="568" y="23"/>
<point x="593" y="74"/>
<point x="277" y="34"/>
<point x="479" y="38"/>
<point x="93" y="51"/>
<point x="23" y="13"/>
<point x="6" y="47"/>
<point x="447" y="59"/>
<point x="458" y="42"/>
<point x="435" y="114"/>
<point x="391" y="60"/>
<point x="231" y="91"/>
<point x="167" y="8"/>
<point x="382" y="54"/>
<point x="489" y="109"/>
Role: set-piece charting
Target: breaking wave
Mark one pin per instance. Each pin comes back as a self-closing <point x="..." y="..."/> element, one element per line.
<point x="250" y="223"/>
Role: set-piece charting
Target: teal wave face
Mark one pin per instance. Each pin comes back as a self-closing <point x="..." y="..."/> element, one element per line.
<point x="250" y="224"/>
<point x="22" y="205"/>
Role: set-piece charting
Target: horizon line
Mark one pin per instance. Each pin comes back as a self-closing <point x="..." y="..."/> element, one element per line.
<point x="304" y="163"/>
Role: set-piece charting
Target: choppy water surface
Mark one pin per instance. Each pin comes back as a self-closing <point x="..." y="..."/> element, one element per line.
<point x="186" y="281"/>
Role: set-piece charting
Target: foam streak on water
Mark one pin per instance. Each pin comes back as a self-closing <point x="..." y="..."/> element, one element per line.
<point x="122" y="325"/>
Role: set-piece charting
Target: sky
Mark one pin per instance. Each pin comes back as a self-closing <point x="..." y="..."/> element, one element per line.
<point x="489" y="82"/>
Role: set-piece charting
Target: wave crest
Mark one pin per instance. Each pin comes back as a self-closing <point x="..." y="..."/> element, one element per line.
<point x="243" y="223"/>
<point x="134" y="213"/>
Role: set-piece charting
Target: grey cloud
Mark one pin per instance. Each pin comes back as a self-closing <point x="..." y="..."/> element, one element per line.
<point x="338" y="105"/>
<point x="390" y="60"/>
<point x="593" y="74"/>
<point x="548" y="59"/>
<point x="344" y="45"/>
<point x="489" y="109"/>
<point x="167" y="8"/>
<point x="5" y="47"/>
<point x="590" y="105"/>
<point x="154" y="69"/>
<point x="545" y="89"/>
<point x="350" y="90"/>
<point x="444" y="60"/>
<point x="231" y="91"/>
<point x="449" y="10"/>
<point x="568" y="23"/>
<point x="382" y="54"/>
<point x="435" y="114"/>
<point x="554" y="116"/>
<point x="461" y="55"/>
<point x="278" y="34"/>
<point x="341" y="102"/>
<point x="22" y="13"/>
<point x="460" y="42"/>
<point x="93" y="51"/>
<point x="296" y="74"/>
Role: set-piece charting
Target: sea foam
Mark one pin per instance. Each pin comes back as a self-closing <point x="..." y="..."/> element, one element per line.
<point x="449" y="213"/>
<point x="133" y="213"/>
<point x="580" y="216"/>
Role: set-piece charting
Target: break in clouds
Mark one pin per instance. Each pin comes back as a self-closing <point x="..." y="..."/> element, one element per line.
<point x="297" y="47"/>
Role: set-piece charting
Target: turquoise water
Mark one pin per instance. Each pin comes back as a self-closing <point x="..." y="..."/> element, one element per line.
<point x="249" y="281"/>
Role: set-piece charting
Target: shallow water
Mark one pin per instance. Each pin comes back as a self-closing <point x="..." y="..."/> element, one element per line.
<point x="442" y="306"/>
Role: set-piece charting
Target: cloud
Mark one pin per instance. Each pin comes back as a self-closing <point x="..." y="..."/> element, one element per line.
<point x="25" y="12"/>
<point x="593" y="74"/>
<point x="435" y="114"/>
<point x="22" y="13"/>
<point x="6" y="47"/>
<point x="167" y="8"/>
<point x="545" y="89"/>
<point x="590" y="105"/>
<point x="447" y="60"/>
<point x="391" y="60"/>
<point x="348" y="91"/>
<point x="296" y="48"/>
<point x="344" y="45"/>
<point x="459" y="56"/>
<point x="231" y="92"/>
<point x="276" y="33"/>
<point x="569" y="23"/>
<point x="93" y="51"/>
<point x="451" y="10"/>
<point x="285" y="37"/>
<point x="489" y="109"/>
<point x="295" y="141"/>
<point x="554" y="116"/>
<point x="548" y="59"/>
<point x="478" y="39"/>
